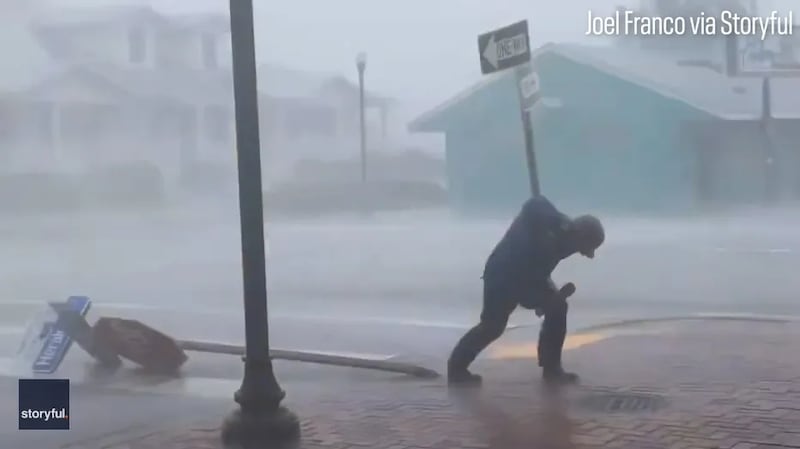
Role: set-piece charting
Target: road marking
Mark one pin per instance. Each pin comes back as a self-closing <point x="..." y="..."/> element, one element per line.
<point x="528" y="350"/>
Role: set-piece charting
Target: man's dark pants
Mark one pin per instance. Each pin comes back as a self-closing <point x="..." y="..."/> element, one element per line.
<point x="498" y="305"/>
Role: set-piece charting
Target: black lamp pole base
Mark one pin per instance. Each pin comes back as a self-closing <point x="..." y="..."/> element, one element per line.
<point x="277" y="428"/>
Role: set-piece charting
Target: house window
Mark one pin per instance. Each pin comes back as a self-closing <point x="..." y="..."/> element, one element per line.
<point x="166" y="123"/>
<point x="137" y="45"/>
<point x="217" y="124"/>
<point x="209" y="52"/>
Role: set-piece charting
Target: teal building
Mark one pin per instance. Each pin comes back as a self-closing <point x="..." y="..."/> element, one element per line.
<point x="617" y="129"/>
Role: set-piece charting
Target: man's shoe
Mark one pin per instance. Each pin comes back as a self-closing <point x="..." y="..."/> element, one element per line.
<point x="557" y="376"/>
<point x="463" y="377"/>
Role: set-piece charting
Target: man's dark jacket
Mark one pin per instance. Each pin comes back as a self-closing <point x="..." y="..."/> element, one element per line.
<point x="520" y="266"/>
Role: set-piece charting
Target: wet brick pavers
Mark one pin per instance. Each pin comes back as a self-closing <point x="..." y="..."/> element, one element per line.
<point x="726" y="386"/>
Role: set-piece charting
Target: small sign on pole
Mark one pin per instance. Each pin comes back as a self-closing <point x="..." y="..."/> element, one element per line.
<point x="529" y="89"/>
<point x="506" y="48"/>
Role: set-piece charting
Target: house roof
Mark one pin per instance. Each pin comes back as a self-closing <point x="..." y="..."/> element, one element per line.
<point x="185" y="85"/>
<point x="351" y="89"/>
<point x="280" y="81"/>
<point x="698" y="87"/>
<point x="25" y="62"/>
<point x="203" y="21"/>
<point x="131" y="13"/>
<point x="485" y="81"/>
<point x="702" y="88"/>
<point x="285" y="82"/>
<point x="97" y="14"/>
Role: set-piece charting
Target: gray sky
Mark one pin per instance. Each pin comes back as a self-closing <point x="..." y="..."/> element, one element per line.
<point x="422" y="51"/>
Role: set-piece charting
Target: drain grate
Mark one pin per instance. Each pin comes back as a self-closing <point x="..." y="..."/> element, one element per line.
<point x="623" y="402"/>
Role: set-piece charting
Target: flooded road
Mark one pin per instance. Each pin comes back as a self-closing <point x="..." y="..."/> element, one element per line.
<point x="400" y="284"/>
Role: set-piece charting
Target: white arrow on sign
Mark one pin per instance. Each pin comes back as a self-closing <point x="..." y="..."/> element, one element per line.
<point x="503" y="49"/>
<point x="529" y="86"/>
<point x="490" y="52"/>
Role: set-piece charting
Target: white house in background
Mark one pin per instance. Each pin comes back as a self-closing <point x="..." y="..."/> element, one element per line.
<point x="99" y="86"/>
<point x="103" y="85"/>
<point x="311" y="116"/>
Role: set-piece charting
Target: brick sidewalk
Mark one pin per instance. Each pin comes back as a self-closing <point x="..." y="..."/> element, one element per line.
<point x="710" y="385"/>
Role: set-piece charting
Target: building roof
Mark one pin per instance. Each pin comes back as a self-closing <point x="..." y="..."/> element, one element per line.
<point x="130" y="13"/>
<point x="184" y="85"/>
<point x="280" y="81"/>
<point x="80" y="16"/>
<point x="701" y="88"/>
<point x="350" y="89"/>
<point x="25" y="62"/>
<point x="203" y="21"/>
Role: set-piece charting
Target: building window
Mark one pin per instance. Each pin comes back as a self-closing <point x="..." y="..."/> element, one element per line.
<point x="209" y="52"/>
<point x="166" y="123"/>
<point x="137" y="45"/>
<point x="217" y="124"/>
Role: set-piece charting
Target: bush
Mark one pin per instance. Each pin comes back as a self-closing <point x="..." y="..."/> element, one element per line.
<point x="130" y="184"/>
<point x="39" y="193"/>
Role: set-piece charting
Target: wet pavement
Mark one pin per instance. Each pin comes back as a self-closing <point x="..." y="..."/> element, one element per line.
<point x="360" y="288"/>
<point x="417" y="275"/>
<point x="683" y="385"/>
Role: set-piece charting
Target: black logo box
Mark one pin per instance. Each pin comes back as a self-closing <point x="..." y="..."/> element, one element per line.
<point x="44" y="404"/>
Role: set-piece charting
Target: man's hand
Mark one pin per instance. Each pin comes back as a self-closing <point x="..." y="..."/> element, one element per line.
<point x="562" y="294"/>
<point x="566" y="290"/>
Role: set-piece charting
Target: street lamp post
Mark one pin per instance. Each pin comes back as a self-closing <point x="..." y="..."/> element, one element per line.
<point x="361" y="65"/>
<point x="260" y="418"/>
<point x="766" y="119"/>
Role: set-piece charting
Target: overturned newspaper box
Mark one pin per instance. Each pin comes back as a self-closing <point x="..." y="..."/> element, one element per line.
<point x="141" y="344"/>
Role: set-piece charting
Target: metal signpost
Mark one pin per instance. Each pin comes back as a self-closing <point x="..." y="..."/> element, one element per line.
<point x="506" y="48"/>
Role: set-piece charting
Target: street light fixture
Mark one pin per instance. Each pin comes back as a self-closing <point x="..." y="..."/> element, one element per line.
<point x="361" y="65"/>
<point x="260" y="419"/>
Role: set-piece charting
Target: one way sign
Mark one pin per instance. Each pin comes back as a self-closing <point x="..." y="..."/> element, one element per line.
<point x="509" y="47"/>
<point x="504" y="48"/>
